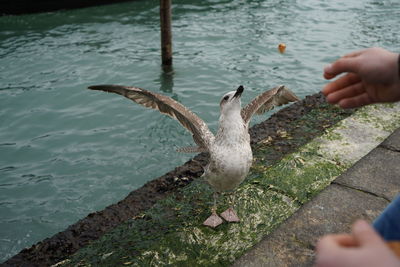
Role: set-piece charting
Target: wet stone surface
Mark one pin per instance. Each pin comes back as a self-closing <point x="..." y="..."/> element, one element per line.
<point x="332" y="211"/>
<point x="174" y="200"/>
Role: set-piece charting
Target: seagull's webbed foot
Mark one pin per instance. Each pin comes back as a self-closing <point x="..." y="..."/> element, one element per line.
<point x="213" y="221"/>
<point x="230" y="215"/>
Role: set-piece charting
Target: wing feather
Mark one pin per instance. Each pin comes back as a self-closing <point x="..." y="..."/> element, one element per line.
<point x="266" y="101"/>
<point x="168" y="106"/>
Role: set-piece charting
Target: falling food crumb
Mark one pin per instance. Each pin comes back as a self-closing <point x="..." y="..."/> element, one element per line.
<point x="282" y="48"/>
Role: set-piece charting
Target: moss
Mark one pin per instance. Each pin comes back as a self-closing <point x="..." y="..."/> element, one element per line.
<point x="170" y="233"/>
<point x="312" y="124"/>
<point x="300" y="175"/>
<point x="332" y="136"/>
<point x="382" y="116"/>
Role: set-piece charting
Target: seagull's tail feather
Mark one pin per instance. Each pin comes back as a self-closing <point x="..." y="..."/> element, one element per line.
<point x="288" y="95"/>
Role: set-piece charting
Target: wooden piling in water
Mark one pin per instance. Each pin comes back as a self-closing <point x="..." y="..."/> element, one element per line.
<point x="166" y="33"/>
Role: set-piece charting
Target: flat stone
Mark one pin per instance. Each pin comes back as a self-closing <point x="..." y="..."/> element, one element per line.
<point x="332" y="211"/>
<point x="355" y="136"/>
<point x="378" y="173"/>
<point x="393" y="141"/>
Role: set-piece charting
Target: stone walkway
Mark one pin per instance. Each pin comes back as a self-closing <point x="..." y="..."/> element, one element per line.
<point x="363" y="191"/>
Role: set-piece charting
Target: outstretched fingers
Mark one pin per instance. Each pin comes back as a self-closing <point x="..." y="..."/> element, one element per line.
<point x="356" y="101"/>
<point x="343" y="64"/>
<point x="333" y="241"/>
<point x="333" y="248"/>
<point x="341" y="83"/>
<point x="346" y="92"/>
<point x="355" y="53"/>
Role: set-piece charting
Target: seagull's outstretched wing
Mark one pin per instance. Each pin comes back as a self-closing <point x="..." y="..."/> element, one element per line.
<point x="277" y="96"/>
<point x="166" y="105"/>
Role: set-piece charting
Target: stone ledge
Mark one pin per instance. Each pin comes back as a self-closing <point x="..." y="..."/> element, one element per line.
<point x="269" y="196"/>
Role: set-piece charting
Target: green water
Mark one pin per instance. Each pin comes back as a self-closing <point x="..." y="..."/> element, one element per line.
<point x="66" y="151"/>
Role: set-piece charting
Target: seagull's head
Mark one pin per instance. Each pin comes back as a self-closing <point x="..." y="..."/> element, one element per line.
<point x="231" y="101"/>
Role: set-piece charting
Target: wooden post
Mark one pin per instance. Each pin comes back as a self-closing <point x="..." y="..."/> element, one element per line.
<point x="166" y="34"/>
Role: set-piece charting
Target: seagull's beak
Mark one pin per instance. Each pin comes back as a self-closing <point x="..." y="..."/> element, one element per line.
<point x="239" y="92"/>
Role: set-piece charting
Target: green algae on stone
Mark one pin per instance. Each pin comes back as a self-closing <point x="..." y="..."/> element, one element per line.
<point x="382" y="116"/>
<point x="304" y="173"/>
<point x="260" y="212"/>
<point x="170" y="233"/>
<point x="357" y="135"/>
<point x="176" y="237"/>
<point x="305" y="128"/>
<point x="300" y="175"/>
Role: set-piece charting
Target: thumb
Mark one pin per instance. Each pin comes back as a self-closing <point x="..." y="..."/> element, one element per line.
<point x="365" y="234"/>
<point x="344" y="64"/>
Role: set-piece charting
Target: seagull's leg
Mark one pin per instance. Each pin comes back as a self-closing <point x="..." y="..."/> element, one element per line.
<point x="230" y="214"/>
<point x="214" y="220"/>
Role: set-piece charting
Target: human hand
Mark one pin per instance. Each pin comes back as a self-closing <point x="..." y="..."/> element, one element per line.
<point x="372" y="76"/>
<point x="364" y="247"/>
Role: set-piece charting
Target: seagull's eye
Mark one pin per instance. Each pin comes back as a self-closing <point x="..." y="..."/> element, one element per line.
<point x="226" y="98"/>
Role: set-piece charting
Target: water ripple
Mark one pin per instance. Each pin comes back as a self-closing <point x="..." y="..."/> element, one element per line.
<point x="7" y="169"/>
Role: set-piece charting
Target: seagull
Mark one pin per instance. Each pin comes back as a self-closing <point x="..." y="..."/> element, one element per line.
<point x="230" y="152"/>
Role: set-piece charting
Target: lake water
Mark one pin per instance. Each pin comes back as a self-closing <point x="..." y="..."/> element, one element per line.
<point x="66" y="151"/>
